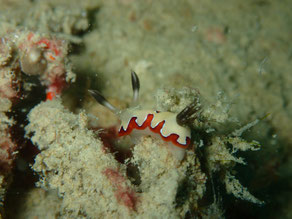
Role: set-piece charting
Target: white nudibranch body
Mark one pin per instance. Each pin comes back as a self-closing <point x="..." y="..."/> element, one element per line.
<point x="161" y="125"/>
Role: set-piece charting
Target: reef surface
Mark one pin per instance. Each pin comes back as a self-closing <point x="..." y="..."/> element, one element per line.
<point x="59" y="152"/>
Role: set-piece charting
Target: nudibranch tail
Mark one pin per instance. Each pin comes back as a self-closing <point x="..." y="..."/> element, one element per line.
<point x="135" y="86"/>
<point x="101" y="99"/>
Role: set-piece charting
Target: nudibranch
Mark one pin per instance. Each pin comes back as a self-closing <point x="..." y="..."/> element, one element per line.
<point x="171" y="128"/>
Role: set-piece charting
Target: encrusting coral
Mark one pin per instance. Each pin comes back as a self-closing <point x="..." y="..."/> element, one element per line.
<point x="213" y="136"/>
<point x="10" y="84"/>
<point x="33" y="53"/>
<point x="75" y="162"/>
<point x="169" y="187"/>
<point x="23" y="54"/>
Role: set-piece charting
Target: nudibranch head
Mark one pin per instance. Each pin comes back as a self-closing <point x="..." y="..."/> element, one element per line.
<point x="167" y="126"/>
